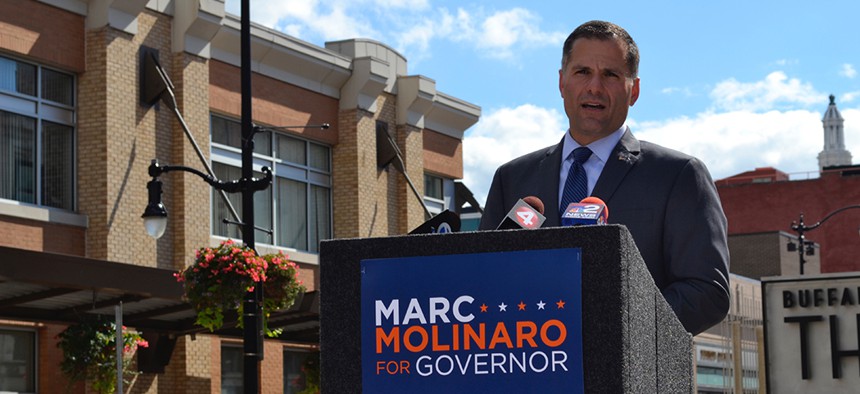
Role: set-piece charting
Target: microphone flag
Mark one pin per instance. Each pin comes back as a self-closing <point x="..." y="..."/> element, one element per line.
<point x="589" y="211"/>
<point x="522" y="215"/>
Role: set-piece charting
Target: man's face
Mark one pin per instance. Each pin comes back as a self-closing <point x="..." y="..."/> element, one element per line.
<point x="597" y="88"/>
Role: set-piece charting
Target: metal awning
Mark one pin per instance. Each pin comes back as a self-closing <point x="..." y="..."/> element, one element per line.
<point x="57" y="288"/>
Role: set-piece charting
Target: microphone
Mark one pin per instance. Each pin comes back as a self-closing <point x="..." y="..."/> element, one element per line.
<point x="445" y="222"/>
<point x="591" y="210"/>
<point x="527" y="213"/>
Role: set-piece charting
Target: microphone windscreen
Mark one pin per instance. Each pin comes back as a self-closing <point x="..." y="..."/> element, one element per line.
<point x="445" y="222"/>
<point x="535" y="202"/>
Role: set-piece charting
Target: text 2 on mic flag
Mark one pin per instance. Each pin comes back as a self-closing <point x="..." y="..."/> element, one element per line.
<point x="472" y="323"/>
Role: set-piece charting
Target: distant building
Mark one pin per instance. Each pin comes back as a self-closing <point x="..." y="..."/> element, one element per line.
<point x="766" y="201"/>
<point x="739" y="333"/>
<point x="772" y="253"/>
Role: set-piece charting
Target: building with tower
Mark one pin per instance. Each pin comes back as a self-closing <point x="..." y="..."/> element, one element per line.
<point x="763" y="204"/>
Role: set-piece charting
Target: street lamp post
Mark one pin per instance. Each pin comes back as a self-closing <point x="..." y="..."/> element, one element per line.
<point x="157" y="86"/>
<point x="801" y="229"/>
<point x="155" y="216"/>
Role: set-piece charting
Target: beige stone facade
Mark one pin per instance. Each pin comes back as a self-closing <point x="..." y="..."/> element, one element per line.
<point x="354" y="85"/>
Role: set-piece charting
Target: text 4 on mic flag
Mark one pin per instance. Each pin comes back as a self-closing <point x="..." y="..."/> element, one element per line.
<point x="472" y="323"/>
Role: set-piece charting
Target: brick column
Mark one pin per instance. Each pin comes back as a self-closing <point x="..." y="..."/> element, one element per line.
<point x="92" y="143"/>
<point x="190" y="217"/>
<point x="410" y="210"/>
<point x="345" y="169"/>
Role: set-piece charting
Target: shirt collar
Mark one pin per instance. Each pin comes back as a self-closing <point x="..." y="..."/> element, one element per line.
<point x="601" y="148"/>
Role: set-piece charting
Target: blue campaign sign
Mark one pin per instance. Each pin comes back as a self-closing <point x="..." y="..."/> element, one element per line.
<point x="484" y="322"/>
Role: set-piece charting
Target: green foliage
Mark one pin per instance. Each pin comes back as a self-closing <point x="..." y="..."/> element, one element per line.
<point x="220" y="277"/>
<point x="89" y="353"/>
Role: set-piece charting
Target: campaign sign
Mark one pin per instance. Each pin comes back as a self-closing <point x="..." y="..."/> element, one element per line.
<point x="484" y="322"/>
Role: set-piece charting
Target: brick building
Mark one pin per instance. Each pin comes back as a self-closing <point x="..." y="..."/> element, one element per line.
<point x="76" y="142"/>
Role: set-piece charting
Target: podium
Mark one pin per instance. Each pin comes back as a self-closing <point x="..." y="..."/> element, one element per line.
<point x="615" y="334"/>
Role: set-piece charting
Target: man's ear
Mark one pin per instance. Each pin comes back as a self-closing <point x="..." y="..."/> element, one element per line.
<point x="561" y="82"/>
<point x="634" y="92"/>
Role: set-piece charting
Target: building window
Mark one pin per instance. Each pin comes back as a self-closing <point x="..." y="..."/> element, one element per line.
<point x="298" y="205"/>
<point x="37" y="134"/>
<point x="438" y="193"/>
<point x="298" y="365"/>
<point x="17" y="361"/>
<point x="432" y="186"/>
<point x="231" y="369"/>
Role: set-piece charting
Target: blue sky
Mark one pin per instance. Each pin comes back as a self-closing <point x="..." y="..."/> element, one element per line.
<point x="739" y="84"/>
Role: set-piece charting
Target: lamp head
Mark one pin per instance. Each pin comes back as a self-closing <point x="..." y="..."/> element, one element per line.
<point x="155" y="215"/>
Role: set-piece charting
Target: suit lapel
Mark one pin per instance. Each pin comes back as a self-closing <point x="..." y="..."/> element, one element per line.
<point x="549" y="169"/>
<point x="623" y="158"/>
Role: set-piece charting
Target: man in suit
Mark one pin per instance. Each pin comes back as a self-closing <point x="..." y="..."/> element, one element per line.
<point x="666" y="199"/>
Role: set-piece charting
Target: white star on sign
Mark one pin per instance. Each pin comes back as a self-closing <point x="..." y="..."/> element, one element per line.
<point x="503" y="307"/>
<point x="541" y="304"/>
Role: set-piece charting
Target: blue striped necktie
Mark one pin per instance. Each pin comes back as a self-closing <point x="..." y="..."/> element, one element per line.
<point x="576" y="186"/>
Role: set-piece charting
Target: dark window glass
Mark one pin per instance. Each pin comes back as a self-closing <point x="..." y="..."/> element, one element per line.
<point x="57" y="87"/>
<point x="291" y="149"/>
<point x="57" y="174"/>
<point x="229" y="132"/>
<point x="17" y="361"/>
<point x="301" y="371"/>
<point x="17" y="157"/>
<point x="231" y="370"/>
<point x="433" y="186"/>
<point x="17" y="76"/>
<point x="293" y="205"/>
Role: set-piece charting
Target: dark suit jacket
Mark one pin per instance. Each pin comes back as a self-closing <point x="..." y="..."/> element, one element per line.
<point x="666" y="199"/>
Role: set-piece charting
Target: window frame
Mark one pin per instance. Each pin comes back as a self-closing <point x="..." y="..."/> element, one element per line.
<point x="305" y="173"/>
<point x="43" y="110"/>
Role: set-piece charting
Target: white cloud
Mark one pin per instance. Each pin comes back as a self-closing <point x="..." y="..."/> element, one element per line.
<point x="410" y="25"/>
<point x="410" y="4"/>
<point x="849" y="97"/>
<point x="673" y="90"/>
<point x="848" y="71"/>
<point x="733" y="142"/>
<point x="305" y="19"/>
<point x="420" y="33"/>
<point x="786" y="62"/>
<point x="776" y="91"/>
<point x="505" y="134"/>
<point x="852" y="132"/>
<point x="745" y="134"/>
<point x="728" y="143"/>
<point x="499" y="35"/>
<point x="501" y="32"/>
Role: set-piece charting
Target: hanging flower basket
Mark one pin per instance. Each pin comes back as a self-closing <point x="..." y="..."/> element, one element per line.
<point x="89" y="353"/>
<point x="220" y="277"/>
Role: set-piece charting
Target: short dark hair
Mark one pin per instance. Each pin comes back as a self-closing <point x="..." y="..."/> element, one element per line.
<point x="602" y="30"/>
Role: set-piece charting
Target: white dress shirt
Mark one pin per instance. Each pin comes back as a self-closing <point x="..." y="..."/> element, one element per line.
<point x="600" y="151"/>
